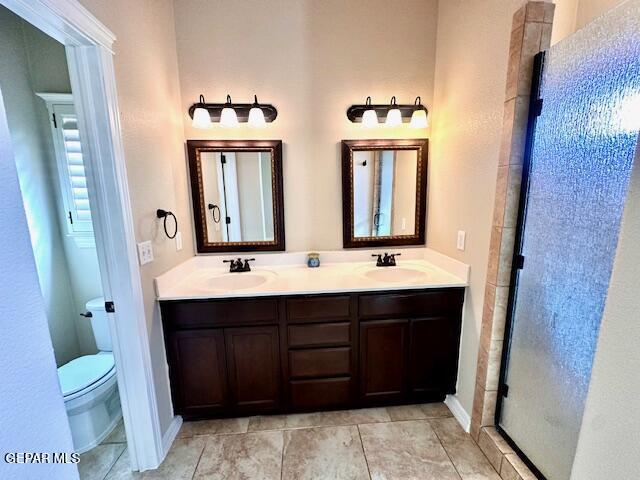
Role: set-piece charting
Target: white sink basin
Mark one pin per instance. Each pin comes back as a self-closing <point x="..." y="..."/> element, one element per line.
<point x="395" y="274"/>
<point x="235" y="281"/>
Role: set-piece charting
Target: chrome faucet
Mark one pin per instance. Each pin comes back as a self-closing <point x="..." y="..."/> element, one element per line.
<point x="387" y="260"/>
<point x="237" y="266"/>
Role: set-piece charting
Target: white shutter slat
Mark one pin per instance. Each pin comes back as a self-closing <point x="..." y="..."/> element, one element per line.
<point x="76" y="174"/>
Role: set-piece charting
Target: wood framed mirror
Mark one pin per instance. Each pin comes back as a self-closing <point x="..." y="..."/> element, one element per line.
<point x="384" y="185"/>
<point x="236" y="190"/>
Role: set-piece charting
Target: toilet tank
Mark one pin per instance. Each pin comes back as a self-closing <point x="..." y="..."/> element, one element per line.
<point x="100" y="324"/>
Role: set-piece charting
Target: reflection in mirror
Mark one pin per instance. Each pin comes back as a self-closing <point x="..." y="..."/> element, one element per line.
<point x="384" y="192"/>
<point x="238" y="195"/>
<point x="236" y="187"/>
<point x="384" y="185"/>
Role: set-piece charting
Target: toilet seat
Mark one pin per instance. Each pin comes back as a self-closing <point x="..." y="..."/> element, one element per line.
<point x="85" y="373"/>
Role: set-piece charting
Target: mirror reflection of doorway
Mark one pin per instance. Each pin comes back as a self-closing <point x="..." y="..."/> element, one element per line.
<point x="384" y="184"/>
<point x="239" y="196"/>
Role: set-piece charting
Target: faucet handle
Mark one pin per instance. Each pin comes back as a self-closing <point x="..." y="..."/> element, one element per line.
<point x="392" y="259"/>
<point x="233" y="265"/>
<point x="379" y="261"/>
<point x="247" y="267"/>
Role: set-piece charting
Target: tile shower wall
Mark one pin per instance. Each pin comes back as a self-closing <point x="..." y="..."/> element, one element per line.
<point x="583" y="150"/>
<point x="531" y="32"/>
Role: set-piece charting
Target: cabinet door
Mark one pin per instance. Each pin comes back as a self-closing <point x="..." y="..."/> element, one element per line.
<point x="383" y="354"/>
<point x="254" y="368"/>
<point x="433" y="356"/>
<point x="199" y="369"/>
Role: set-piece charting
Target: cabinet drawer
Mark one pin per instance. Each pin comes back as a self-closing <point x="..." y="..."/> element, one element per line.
<point x="323" y="362"/>
<point x="437" y="302"/>
<point x="319" y="334"/>
<point x="322" y="393"/>
<point x="183" y="315"/>
<point x="314" y="309"/>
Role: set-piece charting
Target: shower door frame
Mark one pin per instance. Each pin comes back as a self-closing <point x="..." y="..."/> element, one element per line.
<point x="535" y="108"/>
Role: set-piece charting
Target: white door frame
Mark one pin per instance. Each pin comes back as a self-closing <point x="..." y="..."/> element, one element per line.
<point x="90" y="57"/>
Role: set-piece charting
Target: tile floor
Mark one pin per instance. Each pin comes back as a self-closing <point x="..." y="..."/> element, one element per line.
<point x="421" y="442"/>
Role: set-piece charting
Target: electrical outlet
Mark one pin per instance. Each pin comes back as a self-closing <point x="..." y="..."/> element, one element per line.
<point x="145" y="252"/>
<point x="404" y="224"/>
<point x="462" y="238"/>
<point x="178" y="241"/>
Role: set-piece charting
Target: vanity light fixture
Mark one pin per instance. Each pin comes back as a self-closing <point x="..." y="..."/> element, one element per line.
<point x="256" y="115"/>
<point x="228" y="116"/>
<point x="393" y="114"/>
<point x="419" y="116"/>
<point x="201" y="118"/>
<point x="369" y="117"/>
<point x="231" y="114"/>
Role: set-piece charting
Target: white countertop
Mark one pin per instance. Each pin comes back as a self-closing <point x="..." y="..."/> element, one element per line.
<point x="206" y="277"/>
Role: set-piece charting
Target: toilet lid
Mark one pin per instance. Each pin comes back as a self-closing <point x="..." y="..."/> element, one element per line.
<point x="80" y="373"/>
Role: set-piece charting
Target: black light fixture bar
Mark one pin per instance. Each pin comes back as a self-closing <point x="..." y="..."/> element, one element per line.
<point x="242" y="110"/>
<point x="355" y="112"/>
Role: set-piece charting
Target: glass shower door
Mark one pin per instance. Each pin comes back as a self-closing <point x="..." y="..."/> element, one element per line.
<point x="578" y="169"/>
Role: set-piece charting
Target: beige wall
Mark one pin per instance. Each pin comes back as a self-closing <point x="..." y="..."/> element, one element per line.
<point x="150" y="113"/>
<point x="471" y="71"/>
<point x="609" y="437"/>
<point x="572" y="15"/>
<point x="311" y="60"/>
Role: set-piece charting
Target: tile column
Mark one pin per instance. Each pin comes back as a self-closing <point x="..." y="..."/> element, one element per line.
<point x="530" y="33"/>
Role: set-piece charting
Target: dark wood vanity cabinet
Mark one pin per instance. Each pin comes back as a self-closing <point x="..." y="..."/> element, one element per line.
<point x="253" y="366"/>
<point x="311" y="352"/>
<point x="383" y="360"/>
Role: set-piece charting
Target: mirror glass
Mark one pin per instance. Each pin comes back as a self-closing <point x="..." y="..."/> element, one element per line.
<point x="237" y="187"/>
<point x="384" y="192"/>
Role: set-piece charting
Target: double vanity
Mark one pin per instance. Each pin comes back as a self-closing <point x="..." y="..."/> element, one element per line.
<point x="287" y="338"/>
<point x="267" y="334"/>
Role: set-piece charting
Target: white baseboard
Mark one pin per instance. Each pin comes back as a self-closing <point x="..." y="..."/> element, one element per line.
<point x="460" y="414"/>
<point x="170" y="435"/>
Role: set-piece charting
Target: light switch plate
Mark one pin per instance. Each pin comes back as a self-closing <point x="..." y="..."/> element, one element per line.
<point x="145" y="252"/>
<point x="462" y="238"/>
<point x="178" y="241"/>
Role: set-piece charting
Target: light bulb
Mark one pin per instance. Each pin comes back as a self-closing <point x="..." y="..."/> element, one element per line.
<point x="228" y="117"/>
<point x="369" y="119"/>
<point x="256" y="118"/>
<point x="419" y="119"/>
<point x="256" y="115"/>
<point x="394" y="118"/>
<point x="201" y="118"/>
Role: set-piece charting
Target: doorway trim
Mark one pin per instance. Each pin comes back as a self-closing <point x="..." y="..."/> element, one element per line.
<point x="88" y="44"/>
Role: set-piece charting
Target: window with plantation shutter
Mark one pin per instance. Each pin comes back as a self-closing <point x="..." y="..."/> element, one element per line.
<point x="71" y="171"/>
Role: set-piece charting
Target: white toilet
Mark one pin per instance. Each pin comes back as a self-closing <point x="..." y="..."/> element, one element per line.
<point x="89" y="387"/>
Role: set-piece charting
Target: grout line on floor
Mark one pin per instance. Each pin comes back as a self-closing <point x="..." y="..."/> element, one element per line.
<point x="282" y="456"/>
<point x="283" y="429"/>
<point x="366" y="460"/>
<point x="485" y="456"/>
<point x="199" y="458"/>
<point x="453" y="464"/>
<point x="115" y="461"/>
